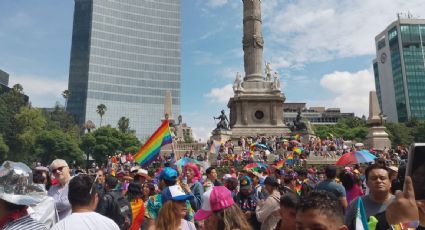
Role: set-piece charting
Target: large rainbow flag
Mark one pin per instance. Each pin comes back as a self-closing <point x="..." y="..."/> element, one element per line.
<point x="150" y="150"/>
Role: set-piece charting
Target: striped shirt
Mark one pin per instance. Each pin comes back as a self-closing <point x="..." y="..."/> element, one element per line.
<point x="24" y="223"/>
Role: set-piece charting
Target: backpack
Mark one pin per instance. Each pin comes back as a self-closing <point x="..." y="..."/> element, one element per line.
<point x="123" y="214"/>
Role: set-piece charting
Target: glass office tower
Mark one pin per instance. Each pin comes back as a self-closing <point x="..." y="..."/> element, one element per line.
<point x="125" y="54"/>
<point x="400" y="70"/>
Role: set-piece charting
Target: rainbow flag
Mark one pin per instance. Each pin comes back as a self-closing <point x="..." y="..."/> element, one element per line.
<point x="150" y="150"/>
<point x="280" y="164"/>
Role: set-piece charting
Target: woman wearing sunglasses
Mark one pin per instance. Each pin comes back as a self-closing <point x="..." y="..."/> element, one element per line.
<point x="59" y="191"/>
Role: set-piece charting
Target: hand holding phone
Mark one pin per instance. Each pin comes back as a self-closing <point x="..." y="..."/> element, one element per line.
<point x="416" y="169"/>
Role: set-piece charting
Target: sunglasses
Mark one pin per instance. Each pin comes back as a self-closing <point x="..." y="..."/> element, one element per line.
<point x="58" y="169"/>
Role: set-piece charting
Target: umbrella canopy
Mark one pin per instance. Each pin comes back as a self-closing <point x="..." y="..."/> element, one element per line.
<point x="263" y="146"/>
<point x="182" y="162"/>
<point x="356" y="157"/>
<point x="255" y="167"/>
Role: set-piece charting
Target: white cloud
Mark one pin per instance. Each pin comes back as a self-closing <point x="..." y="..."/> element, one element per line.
<point x="221" y="95"/>
<point x="301" y="32"/>
<point x="216" y="3"/>
<point x="351" y="89"/>
<point x="42" y="91"/>
<point x="230" y="72"/>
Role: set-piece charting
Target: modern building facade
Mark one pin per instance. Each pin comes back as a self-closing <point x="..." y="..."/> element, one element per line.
<point x="316" y="115"/>
<point x="4" y="78"/>
<point x="399" y="69"/>
<point x="125" y="54"/>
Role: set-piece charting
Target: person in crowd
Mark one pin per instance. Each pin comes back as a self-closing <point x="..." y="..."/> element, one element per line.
<point x="220" y="212"/>
<point x="247" y="201"/>
<point x="134" y="196"/>
<point x="330" y="185"/>
<point x="174" y="210"/>
<point x="231" y="183"/>
<point x="258" y="189"/>
<point x="59" y="191"/>
<point x="83" y="198"/>
<point x="141" y="176"/>
<point x="167" y="177"/>
<point x="303" y="182"/>
<point x="112" y="204"/>
<point x="147" y="191"/>
<point x="267" y="212"/>
<point x="43" y="173"/>
<point x="288" y="185"/>
<point x="288" y="211"/>
<point x="17" y="192"/>
<point x="378" y="199"/>
<point x="211" y="180"/>
<point x="191" y="184"/>
<point x="320" y="210"/>
<point x="352" y="185"/>
<point x="44" y="212"/>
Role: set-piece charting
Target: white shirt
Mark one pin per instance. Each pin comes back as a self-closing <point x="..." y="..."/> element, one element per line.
<point x="187" y="225"/>
<point x="86" y="221"/>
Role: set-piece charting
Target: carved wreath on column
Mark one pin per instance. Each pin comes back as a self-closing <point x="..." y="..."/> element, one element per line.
<point x="254" y="41"/>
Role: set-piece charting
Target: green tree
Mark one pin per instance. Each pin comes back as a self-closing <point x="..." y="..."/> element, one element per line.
<point x="124" y="124"/>
<point x="30" y="122"/>
<point x="399" y="134"/>
<point x="60" y="119"/>
<point x="53" y="144"/>
<point x="4" y="149"/>
<point x="101" y="110"/>
<point x="419" y="132"/>
<point x="66" y="94"/>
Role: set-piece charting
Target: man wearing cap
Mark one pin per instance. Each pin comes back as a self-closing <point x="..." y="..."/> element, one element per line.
<point x="268" y="211"/>
<point x="168" y="177"/>
<point x="330" y="185"/>
<point x="17" y="192"/>
<point x="247" y="201"/>
<point x="59" y="191"/>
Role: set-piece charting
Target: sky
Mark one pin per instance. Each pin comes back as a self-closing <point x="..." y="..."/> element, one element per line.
<point x="322" y="49"/>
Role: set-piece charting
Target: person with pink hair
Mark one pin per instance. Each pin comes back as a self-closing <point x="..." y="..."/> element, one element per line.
<point x="191" y="185"/>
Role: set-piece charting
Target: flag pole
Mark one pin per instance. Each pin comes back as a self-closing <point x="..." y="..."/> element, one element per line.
<point x="172" y="143"/>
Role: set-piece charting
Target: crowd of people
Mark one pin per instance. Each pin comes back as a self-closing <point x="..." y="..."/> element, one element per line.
<point x="119" y="194"/>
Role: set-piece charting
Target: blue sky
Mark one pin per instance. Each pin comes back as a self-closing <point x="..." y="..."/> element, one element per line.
<point x="323" y="50"/>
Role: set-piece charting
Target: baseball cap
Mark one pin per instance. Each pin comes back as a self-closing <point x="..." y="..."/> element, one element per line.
<point x="245" y="182"/>
<point x="215" y="199"/>
<point x="168" y="174"/>
<point x="174" y="192"/>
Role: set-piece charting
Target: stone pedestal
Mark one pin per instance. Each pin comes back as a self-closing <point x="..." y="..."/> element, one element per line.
<point x="305" y="137"/>
<point x="377" y="138"/>
<point x="221" y="136"/>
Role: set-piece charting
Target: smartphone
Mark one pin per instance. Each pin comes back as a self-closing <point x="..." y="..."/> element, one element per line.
<point x="184" y="181"/>
<point x="416" y="169"/>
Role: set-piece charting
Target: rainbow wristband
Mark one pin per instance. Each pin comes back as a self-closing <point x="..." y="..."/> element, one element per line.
<point x="406" y="225"/>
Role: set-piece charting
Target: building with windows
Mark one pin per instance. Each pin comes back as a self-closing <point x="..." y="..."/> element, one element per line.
<point x="399" y="69"/>
<point x="125" y="54"/>
<point x="4" y="78"/>
<point x="316" y="115"/>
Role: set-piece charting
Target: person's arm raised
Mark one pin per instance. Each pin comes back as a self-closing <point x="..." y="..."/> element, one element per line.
<point x="403" y="209"/>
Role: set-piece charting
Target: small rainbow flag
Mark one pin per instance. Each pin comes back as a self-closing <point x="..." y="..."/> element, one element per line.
<point x="280" y="164"/>
<point x="150" y="150"/>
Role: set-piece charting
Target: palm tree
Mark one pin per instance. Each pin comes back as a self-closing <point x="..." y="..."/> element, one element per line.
<point x="101" y="109"/>
<point x="124" y="124"/>
<point x="66" y="94"/>
<point x="89" y="125"/>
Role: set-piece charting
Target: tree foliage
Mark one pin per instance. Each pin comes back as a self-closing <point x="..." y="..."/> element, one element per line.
<point x="124" y="124"/>
<point x="101" y="110"/>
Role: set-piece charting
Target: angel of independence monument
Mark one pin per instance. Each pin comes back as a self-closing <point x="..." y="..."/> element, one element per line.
<point x="257" y="105"/>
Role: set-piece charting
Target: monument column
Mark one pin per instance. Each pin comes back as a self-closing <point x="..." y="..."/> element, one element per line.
<point x="252" y="40"/>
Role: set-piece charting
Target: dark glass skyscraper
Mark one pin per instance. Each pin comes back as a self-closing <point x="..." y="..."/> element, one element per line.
<point x="125" y="54"/>
<point x="400" y="70"/>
